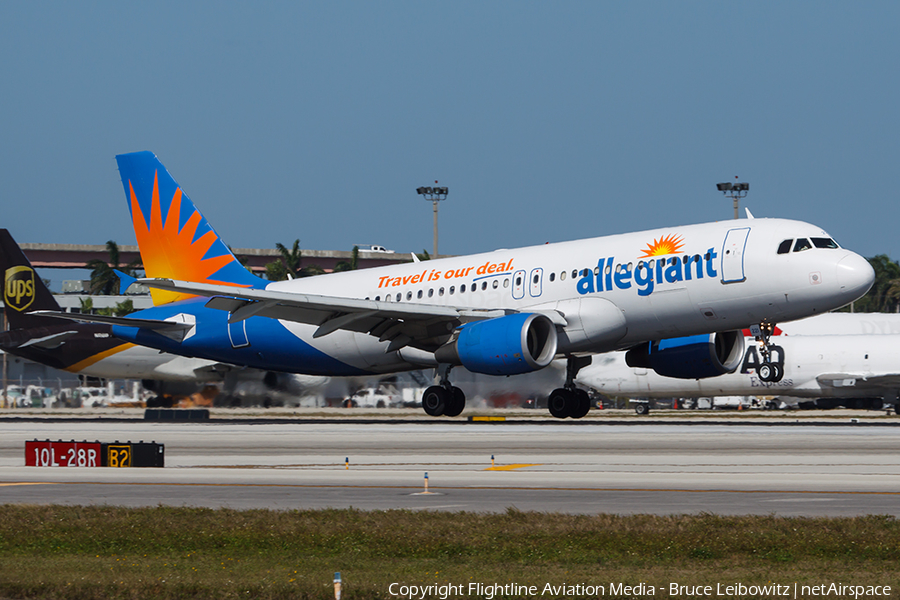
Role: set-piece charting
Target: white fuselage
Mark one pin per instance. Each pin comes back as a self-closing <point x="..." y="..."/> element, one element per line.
<point x="613" y="291"/>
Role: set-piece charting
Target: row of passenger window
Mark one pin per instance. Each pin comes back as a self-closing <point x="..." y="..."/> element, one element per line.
<point x="495" y="284"/>
<point x="801" y="244"/>
<point x="441" y="291"/>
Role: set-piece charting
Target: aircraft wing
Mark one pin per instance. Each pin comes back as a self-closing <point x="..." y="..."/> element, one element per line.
<point x="172" y="329"/>
<point x="865" y="381"/>
<point x="399" y="322"/>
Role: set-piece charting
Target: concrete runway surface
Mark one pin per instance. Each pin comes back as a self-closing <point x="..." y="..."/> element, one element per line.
<point x="553" y="467"/>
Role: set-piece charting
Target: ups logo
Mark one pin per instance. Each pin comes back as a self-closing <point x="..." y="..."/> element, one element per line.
<point x="18" y="291"/>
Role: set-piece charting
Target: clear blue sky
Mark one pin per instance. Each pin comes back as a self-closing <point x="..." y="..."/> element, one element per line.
<point x="548" y="121"/>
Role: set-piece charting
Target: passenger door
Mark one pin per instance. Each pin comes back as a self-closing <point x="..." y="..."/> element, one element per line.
<point x="733" y="255"/>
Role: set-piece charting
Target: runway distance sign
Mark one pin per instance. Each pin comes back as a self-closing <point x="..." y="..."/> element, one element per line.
<point x="93" y="454"/>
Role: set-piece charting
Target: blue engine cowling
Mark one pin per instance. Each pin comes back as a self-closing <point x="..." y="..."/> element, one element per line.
<point x="509" y="345"/>
<point x="692" y="357"/>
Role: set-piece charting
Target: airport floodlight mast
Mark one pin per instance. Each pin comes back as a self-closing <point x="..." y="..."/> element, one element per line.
<point x="435" y="194"/>
<point x="735" y="190"/>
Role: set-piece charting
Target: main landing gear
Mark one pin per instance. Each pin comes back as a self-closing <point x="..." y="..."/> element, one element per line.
<point x="569" y="401"/>
<point x="767" y="370"/>
<point x="444" y="398"/>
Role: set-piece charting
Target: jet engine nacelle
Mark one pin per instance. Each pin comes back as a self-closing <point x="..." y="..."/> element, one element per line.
<point x="692" y="357"/>
<point x="509" y="345"/>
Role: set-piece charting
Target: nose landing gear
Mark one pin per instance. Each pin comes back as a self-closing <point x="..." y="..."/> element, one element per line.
<point x="767" y="370"/>
<point x="444" y="398"/>
<point x="569" y="401"/>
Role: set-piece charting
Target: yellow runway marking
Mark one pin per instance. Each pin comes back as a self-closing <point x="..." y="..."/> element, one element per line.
<point x="29" y="483"/>
<point x="511" y="467"/>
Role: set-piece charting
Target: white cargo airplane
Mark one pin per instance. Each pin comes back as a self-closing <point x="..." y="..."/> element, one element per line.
<point x="499" y="313"/>
<point x="856" y="370"/>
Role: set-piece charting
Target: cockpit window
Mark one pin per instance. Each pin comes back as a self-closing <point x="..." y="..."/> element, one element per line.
<point x="824" y="243"/>
<point x="802" y="244"/>
<point x="785" y="246"/>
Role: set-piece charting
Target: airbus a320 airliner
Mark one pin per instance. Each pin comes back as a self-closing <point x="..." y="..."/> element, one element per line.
<point x="678" y="297"/>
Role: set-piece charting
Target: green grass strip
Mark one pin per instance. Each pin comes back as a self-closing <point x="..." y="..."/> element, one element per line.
<point x="108" y="552"/>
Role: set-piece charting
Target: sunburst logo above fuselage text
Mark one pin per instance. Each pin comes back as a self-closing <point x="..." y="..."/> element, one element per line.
<point x="670" y="244"/>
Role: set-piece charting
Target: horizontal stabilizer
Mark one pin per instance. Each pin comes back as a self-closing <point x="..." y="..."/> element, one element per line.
<point x="49" y="342"/>
<point x="171" y="329"/>
<point x="125" y="281"/>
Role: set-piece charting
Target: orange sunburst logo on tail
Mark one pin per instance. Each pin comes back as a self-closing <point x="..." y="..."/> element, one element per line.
<point x="170" y="252"/>
<point x="670" y="244"/>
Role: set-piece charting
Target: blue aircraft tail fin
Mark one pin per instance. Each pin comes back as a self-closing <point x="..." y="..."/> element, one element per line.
<point x="175" y="240"/>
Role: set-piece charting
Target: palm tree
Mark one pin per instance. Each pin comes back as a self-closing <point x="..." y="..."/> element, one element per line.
<point x="290" y="258"/>
<point x="881" y="298"/>
<point x="349" y="266"/>
<point x="892" y="296"/>
<point x="288" y="266"/>
<point x="103" y="279"/>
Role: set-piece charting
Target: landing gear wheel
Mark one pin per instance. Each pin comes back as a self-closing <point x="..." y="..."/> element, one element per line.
<point x="581" y="404"/>
<point x="434" y="400"/>
<point x="455" y="403"/>
<point x="779" y="372"/>
<point x="766" y="372"/>
<point x="559" y="403"/>
<point x="642" y="408"/>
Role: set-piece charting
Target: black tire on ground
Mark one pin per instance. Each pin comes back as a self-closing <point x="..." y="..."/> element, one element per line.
<point x="455" y="403"/>
<point x="766" y="372"/>
<point x="559" y="403"/>
<point x="434" y="400"/>
<point x="642" y="408"/>
<point x="581" y="404"/>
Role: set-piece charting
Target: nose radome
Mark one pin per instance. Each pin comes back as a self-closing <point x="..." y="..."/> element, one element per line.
<point x="855" y="275"/>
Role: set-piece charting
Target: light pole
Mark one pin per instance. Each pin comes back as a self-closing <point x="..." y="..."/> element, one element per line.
<point x="435" y="194"/>
<point x="735" y="190"/>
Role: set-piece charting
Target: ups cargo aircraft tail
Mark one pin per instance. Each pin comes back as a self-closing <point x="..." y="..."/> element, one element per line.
<point x="91" y="348"/>
<point x="498" y="313"/>
<point x="68" y="346"/>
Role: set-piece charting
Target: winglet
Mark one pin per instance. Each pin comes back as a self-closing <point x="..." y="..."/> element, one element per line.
<point x="415" y="258"/>
<point x="125" y="281"/>
<point x="749" y="214"/>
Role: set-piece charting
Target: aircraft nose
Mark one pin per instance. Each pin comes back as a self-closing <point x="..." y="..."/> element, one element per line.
<point x="855" y="275"/>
